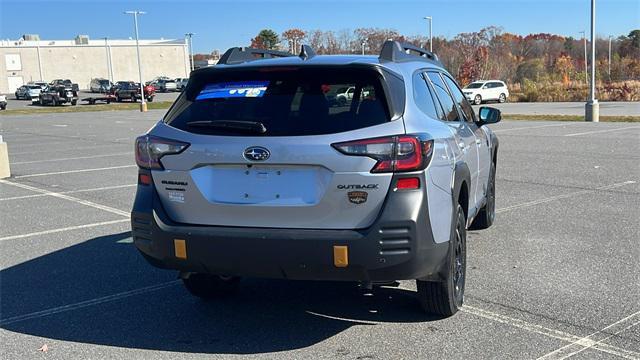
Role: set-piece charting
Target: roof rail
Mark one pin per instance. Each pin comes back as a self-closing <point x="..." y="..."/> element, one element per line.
<point x="396" y="51"/>
<point x="238" y="55"/>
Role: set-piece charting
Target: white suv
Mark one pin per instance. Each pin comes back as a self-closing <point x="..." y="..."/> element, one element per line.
<point x="483" y="90"/>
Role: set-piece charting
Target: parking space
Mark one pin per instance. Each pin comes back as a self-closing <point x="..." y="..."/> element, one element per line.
<point x="556" y="276"/>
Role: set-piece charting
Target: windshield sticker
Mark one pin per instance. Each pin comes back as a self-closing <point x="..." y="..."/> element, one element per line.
<point x="233" y="89"/>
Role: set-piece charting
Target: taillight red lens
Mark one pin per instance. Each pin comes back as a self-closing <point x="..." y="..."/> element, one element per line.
<point x="400" y="153"/>
<point x="408" y="183"/>
<point x="149" y="150"/>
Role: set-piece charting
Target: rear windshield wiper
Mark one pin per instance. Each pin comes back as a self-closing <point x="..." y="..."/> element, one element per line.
<point x="252" y="126"/>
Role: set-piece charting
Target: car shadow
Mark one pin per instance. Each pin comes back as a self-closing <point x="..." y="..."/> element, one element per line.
<point x="264" y="316"/>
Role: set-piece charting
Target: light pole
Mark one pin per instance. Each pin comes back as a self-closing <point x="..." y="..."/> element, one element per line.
<point x="135" y="13"/>
<point x="584" y="38"/>
<point x="592" y="108"/>
<point x="190" y="36"/>
<point x="364" y="43"/>
<point x="430" y="32"/>
<point x="609" y="58"/>
<point x="109" y="70"/>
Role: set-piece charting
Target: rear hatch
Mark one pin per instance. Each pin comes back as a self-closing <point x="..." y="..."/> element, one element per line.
<point x="260" y="148"/>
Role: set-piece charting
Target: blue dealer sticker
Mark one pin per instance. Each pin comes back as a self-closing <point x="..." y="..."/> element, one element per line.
<point x="233" y="89"/>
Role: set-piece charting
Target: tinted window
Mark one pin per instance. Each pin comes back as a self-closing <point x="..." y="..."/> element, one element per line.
<point x="449" y="107"/>
<point x="474" y="86"/>
<point x="496" y="85"/>
<point x="423" y="98"/>
<point x="287" y="102"/>
<point x="458" y="96"/>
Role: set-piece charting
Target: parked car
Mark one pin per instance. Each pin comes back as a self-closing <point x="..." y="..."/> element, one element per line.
<point x="165" y="85"/>
<point x="42" y="84"/>
<point x="65" y="82"/>
<point x="58" y="95"/>
<point x="131" y="91"/>
<point x="181" y="83"/>
<point x="99" y="85"/>
<point x="484" y="90"/>
<point x="28" y="92"/>
<point x="251" y="173"/>
<point x="345" y="94"/>
<point x="155" y="79"/>
<point x="3" y="102"/>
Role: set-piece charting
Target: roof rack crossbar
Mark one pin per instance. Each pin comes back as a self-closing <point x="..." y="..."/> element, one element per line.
<point x="397" y="51"/>
<point x="238" y="55"/>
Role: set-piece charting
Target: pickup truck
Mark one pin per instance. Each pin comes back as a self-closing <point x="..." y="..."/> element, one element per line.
<point x="58" y="95"/>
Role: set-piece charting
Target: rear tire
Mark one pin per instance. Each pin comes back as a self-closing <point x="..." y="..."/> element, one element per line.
<point x="502" y="98"/>
<point x="477" y="100"/>
<point x="207" y="286"/>
<point x="150" y="99"/>
<point x="487" y="213"/>
<point x="446" y="297"/>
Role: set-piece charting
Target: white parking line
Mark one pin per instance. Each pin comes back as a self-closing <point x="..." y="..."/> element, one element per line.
<point x="603" y="131"/>
<point x="535" y="127"/>
<point x="592" y="340"/>
<point x="69" y="198"/>
<point x="70" y="192"/>
<point x="69" y="149"/>
<point x="553" y="333"/>
<point x="73" y="171"/>
<point x="83" y="304"/>
<point x="70" y="158"/>
<point x="564" y="196"/>
<point x="69" y="228"/>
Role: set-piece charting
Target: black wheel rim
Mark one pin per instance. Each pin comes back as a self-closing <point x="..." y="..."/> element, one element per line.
<point x="459" y="262"/>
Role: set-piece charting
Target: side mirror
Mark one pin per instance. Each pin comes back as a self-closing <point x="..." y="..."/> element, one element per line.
<point x="488" y="115"/>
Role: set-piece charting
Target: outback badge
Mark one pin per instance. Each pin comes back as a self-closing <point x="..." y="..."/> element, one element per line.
<point x="357" y="197"/>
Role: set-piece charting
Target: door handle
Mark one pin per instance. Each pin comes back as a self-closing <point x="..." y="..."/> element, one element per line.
<point x="478" y="141"/>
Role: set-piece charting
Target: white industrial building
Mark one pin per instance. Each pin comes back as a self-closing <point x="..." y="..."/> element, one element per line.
<point x="82" y="59"/>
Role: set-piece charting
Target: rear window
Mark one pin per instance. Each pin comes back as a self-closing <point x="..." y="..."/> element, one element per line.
<point x="285" y="102"/>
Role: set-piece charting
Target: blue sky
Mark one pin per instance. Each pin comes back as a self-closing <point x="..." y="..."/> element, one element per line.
<point x="222" y="24"/>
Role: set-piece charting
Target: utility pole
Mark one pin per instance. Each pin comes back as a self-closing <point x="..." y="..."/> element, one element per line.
<point x="135" y="13"/>
<point x="190" y="36"/>
<point x="592" y="108"/>
<point x="430" y="32"/>
<point x="586" y="71"/>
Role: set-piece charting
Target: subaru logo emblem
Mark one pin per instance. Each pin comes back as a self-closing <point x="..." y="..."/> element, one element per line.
<point x="256" y="153"/>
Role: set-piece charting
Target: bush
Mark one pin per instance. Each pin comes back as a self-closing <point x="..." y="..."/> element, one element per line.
<point x="550" y="91"/>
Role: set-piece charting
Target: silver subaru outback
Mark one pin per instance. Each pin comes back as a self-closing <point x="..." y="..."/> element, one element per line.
<point x="262" y="168"/>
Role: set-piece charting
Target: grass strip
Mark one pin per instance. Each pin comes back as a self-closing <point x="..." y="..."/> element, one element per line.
<point x="568" y="117"/>
<point x="85" y="108"/>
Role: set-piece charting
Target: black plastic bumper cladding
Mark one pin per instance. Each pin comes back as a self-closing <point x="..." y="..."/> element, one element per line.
<point x="398" y="246"/>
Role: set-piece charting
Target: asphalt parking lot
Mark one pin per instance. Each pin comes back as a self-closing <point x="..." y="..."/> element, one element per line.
<point x="13" y="103"/>
<point x="557" y="275"/>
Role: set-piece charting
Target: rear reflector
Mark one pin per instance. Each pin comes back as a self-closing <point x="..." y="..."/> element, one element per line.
<point x="411" y="183"/>
<point x="144" y="179"/>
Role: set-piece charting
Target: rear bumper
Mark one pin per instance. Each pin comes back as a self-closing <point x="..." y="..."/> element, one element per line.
<point x="398" y="246"/>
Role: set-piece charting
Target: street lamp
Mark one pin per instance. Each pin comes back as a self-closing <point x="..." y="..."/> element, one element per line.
<point x="364" y="43"/>
<point x="609" y="57"/>
<point x="109" y="67"/>
<point x="190" y="36"/>
<point x="430" y="32"/>
<point x="135" y="13"/>
<point x="592" y="108"/>
<point x="584" y="38"/>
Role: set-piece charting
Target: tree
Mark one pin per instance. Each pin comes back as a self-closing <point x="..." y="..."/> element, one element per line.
<point x="294" y="37"/>
<point x="266" y="39"/>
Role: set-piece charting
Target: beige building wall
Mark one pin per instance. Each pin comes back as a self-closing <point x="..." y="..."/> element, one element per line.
<point x="81" y="63"/>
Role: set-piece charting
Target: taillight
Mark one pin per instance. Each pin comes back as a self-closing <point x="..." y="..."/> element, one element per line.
<point x="400" y="153"/>
<point x="150" y="149"/>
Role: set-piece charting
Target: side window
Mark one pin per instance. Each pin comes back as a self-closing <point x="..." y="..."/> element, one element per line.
<point x="449" y="107"/>
<point x="458" y="96"/>
<point x="423" y="98"/>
